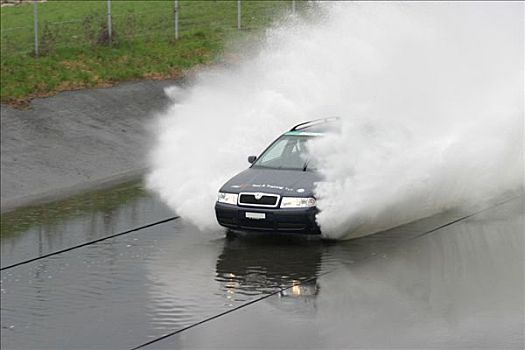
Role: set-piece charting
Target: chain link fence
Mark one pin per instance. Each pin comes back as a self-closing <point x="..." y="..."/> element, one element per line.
<point x="40" y="28"/>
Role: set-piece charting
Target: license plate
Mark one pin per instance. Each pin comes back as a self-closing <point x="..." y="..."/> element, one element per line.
<point x="256" y="216"/>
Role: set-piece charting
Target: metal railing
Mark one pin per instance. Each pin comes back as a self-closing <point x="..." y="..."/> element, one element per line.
<point x="113" y="22"/>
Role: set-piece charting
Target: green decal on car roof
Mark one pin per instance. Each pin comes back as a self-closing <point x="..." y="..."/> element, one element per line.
<point x="303" y="133"/>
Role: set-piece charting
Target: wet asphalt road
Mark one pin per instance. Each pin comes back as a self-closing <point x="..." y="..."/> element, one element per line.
<point x="461" y="286"/>
<point x="77" y="140"/>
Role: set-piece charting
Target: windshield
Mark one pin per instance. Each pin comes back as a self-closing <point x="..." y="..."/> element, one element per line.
<point x="287" y="152"/>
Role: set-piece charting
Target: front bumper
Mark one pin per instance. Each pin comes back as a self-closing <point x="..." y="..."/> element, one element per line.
<point x="296" y="220"/>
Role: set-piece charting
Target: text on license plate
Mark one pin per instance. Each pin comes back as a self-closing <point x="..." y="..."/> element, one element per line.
<point x="256" y="216"/>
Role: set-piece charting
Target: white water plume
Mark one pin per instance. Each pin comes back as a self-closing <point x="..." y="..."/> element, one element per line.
<point x="431" y="101"/>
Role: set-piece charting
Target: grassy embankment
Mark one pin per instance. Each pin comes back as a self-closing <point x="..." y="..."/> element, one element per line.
<point x="75" y="52"/>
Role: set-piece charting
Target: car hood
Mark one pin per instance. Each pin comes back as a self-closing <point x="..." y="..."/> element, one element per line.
<point x="284" y="182"/>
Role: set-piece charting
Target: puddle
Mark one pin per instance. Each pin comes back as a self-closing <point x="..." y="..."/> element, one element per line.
<point x="384" y="290"/>
<point x="34" y="231"/>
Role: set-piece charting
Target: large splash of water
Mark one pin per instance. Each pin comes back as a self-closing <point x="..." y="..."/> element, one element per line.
<point x="431" y="101"/>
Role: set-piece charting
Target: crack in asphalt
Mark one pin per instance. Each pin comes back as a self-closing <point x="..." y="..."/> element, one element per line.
<point x="281" y="289"/>
<point x="90" y="243"/>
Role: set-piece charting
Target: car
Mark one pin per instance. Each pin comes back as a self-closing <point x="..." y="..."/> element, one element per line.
<point x="276" y="193"/>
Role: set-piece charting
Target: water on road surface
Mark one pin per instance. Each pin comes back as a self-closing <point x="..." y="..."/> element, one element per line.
<point x="460" y="286"/>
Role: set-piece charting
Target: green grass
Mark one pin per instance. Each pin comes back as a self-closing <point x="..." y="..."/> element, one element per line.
<point x="75" y="53"/>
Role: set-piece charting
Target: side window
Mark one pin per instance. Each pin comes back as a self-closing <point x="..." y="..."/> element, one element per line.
<point x="274" y="152"/>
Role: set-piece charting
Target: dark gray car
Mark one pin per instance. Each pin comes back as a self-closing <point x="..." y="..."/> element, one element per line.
<point x="276" y="194"/>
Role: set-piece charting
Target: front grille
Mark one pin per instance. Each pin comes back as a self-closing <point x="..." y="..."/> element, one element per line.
<point x="259" y="199"/>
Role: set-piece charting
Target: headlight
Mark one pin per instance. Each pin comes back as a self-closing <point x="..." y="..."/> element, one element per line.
<point x="230" y="198"/>
<point x="297" y="202"/>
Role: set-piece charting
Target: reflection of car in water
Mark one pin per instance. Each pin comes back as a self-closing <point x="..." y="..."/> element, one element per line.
<point x="246" y="267"/>
<point x="276" y="192"/>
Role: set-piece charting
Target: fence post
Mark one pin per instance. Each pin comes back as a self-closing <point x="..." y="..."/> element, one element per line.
<point x="109" y="22"/>
<point x="293" y="6"/>
<point x="35" y="15"/>
<point x="238" y="14"/>
<point x="176" y="12"/>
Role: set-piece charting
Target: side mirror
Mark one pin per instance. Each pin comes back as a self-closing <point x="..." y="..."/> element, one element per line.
<point x="252" y="159"/>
